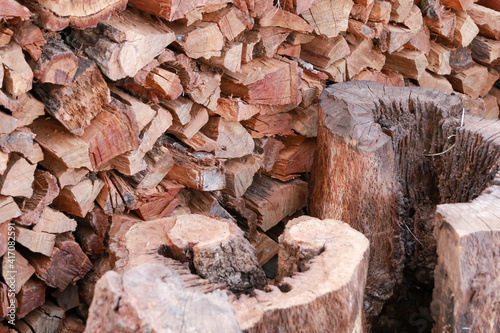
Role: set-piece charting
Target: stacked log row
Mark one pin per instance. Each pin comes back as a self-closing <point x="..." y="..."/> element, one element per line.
<point x="114" y="112"/>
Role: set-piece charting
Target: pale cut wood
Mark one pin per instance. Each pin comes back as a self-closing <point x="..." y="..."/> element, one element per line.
<point x="239" y="174"/>
<point x="79" y="199"/>
<point x="171" y="10"/>
<point x="199" y="40"/>
<point x="230" y="20"/>
<point x="465" y="29"/>
<point x="380" y="12"/>
<point x="65" y="176"/>
<point x="180" y="109"/>
<point x="262" y="125"/>
<point x="39" y="242"/>
<point x="7" y="123"/>
<point x="414" y="20"/>
<point x="265" y="247"/>
<point x="5" y="35"/>
<point x="143" y="112"/>
<point x="12" y="10"/>
<point x="288" y="49"/>
<point x="270" y="40"/>
<point x="232" y="138"/>
<point x="308" y="246"/>
<point x="407" y="62"/>
<point x="421" y="41"/>
<point x="19" y="141"/>
<point x="30" y="38"/>
<point x="4" y="159"/>
<point x="36" y="155"/>
<point x="159" y="161"/>
<point x="360" y="30"/>
<point x="30" y="110"/>
<point x="273" y="200"/>
<point x="234" y="109"/>
<point x="249" y="40"/>
<point x="486" y="51"/>
<point x="201" y="142"/>
<point x="199" y="117"/>
<point x="264" y="81"/>
<point x="328" y="17"/>
<point x="54" y="222"/>
<point x="440" y="20"/>
<point x="165" y="83"/>
<point x="393" y="37"/>
<point x="475" y="81"/>
<point x="337" y="71"/>
<point x="305" y="120"/>
<point x="17" y="180"/>
<point x="322" y="52"/>
<point x="296" y="6"/>
<point x="439" y="59"/>
<point x="58" y="15"/>
<point x="311" y="87"/>
<point x="74" y="105"/>
<point x="386" y="76"/>
<point x="124" y="44"/>
<point x="31" y="296"/>
<point x="296" y="158"/>
<point x="461" y="5"/>
<point x="361" y="13"/>
<point x="18" y="76"/>
<point x="364" y="55"/>
<point x="8" y="209"/>
<point x="277" y="17"/>
<point x="230" y="58"/>
<point x="434" y="81"/>
<point x="484" y="107"/>
<point x="495" y="92"/>
<point x="400" y="9"/>
<point x="208" y="90"/>
<point x="18" y="267"/>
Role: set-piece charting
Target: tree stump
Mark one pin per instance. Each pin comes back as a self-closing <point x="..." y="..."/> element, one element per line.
<point x="379" y="166"/>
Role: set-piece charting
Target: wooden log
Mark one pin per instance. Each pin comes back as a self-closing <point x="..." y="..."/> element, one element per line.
<point x="490" y="4"/>
<point x="305" y="248"/>
<point x="65" y="176"/>
<point x="322" y="52"/>
<point x="400" y="10"/>
<point x="361" y="13"/>
<point x="234" y="109"/>
<point x="269" y="125"/>
<point x="486" y="51"/>
<point x="143" y="305"/>
<point x="239" y="174"/>
<point x="92" y="231"/>
<point x="249" y="40"/>
<point x="201" y="142"/>
<point x="16" y="269"/>
<point x="409" y="63"/>
<point x="30" y="38"/>
<point x="434" y="81"/>
<point x="460" y="59"/>
<point x="159" y="162"/>
<point x="4" y="159"/>
<point x="278" y="17"/>
<point x="19" y="141"/>
<point x="475" y="81"/>
<point x="124" y="44"/>
<point x="199" y="117"/>
<point x="17" y="75"/>
<point x="72" y="324"/>
<point x="270" y="40"/>
<point x="230" y="20"/>
<point x="30" y="297"/>
<point x="305" y="120"/>
<point x="421" y="41"/>
<point x="199" y="40"/>
<point x="143" y="112"/>
<point x="465" y="29"/>
<point x="414" y="20"/>
<point x="45" y="190"/>
<point x="439" y="59"/>
<point x="68" y="298"/>
<point x="364" y="55"/>
<point x="380" y="12"/>
<point x="171" y="11"/>
<point x="157" y="202"/>
<point x="386" y="76"/>
<point x="290" y="50"/>
<point x="67" y="264"/>
<point x="54" y="222"/>
<point x="464" y="289"/>
<point x="207" y="92"/>
<point x="328" y="17"/>
<point x="274" y="200"/>
<point x="439" y="20"/>
<point x="360" y="30"/>
<point x="180" y="109"/>
<point x="164" y="83"/>
<point x="39" y="242"/>
<point x="5" y="35"/>
<point x="296" y="158"/>
<point x="264" y="81"/>
<point x="47" y="317"/>
<point x="496" y="93"/>
<point x="13" y="10"/>
<point x="8" y="209"/>
<point x="79" y="199"/>
<point x="265" y="247"/>
<point x="17" y="180"/>
<point x="31" y="108"/>
<point x="393" y="37"/>
<point x="230" y="58"/>
<point x="487" y="20"/>
<point x="232" y="138"/>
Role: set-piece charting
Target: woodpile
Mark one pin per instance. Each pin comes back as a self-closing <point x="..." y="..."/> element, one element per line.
<point x="195" y="134"/>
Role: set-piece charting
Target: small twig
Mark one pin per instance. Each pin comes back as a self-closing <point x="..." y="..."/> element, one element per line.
<point x="413" y="235"/>
<point x="451" y="136"/>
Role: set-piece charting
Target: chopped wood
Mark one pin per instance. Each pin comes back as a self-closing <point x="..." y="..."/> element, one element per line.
<point x="439" y="59"/>
<point x="265" y="247"/>
<point x="360" y="30"/>
<point x="240" y="173"/>
<point x="361" y="13"/>
<point x="435" y="81"/>
<point x="199" y="40"/>
<point x="68" y="298"/>
<point x="270" y="40"/>
<point x="30" y="297"/>
<point x="328" y="17"/>
<point x="65" y="176"/>
<point x="273" y="200"/>
<point x="230" y="20"/>
<point x="47" y="317"/>
<point x="54" y="222"/>
<point x="364" y="55"/>
<point x="465" y="29"/>
<point x="30" y="38"/>
<point x="386" y="76"/>
<point x="4" y="159"/>
<point x="11" y="9"/>
<point x="207" y="92"/>
<point x="18" y="76"/>
<point x="490" y="4"/>
<point x="199" y="117"/>
<point x="486" y="51"/>
<point x="323" y="52"/>
<point x="173" y="11"/>
<point x="159" y="162"/>
<point x="201" y="142"/>
<point x="290" y="50"/>
<point x="380" y="12"/>
<point x="440" y="20"/>
<point x="157" y="202"/>
<point x="269" y="125"/>
<point x="18" y="264"/>
<point x="165" y="83"/>
<point x="460" y="59"/>
<point x="305" y="120"/>
<point x="39" y="242"/>
<point x="296" y="158"/>
<point x="8" y="209"/>
<point x="485" y="107"/>
<point x="393" y="37"/>
<point x="232" y="138"/>
<point x="296" y="6"/>
<point x="475" y="81"/>
<point x="234" y="109"/>
<point x="17" y="180"/>
<point x="79" y="199"/>
<point x="31" y="108"/>
<point x="414" y="20"/>
<point x="230" y="58"/>
<point x="400" y="10"/>
<point x="277" y="17"/>
<point x="7" y="123"/>
<point x="407" y="62"/>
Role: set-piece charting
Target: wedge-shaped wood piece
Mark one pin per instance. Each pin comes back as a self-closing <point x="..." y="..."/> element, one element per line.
<point x="171" y="10"/>
<point x="277" y="17"/>
<point x="180" y="109"/>
<point x="486" y="51"/>
<point x="8" y="209"/>
<point x="17" y="76"/>
<point x="65" y="176"/>
<point x="434" y="81"/>
<point x="296" y="158"/>
<point x="31" y="296"/>
<point x="164" y="83"/>
<point x="199" y="117"/>
<point x="475" y="81"/>
<point x="18" y="179"/>
<point x="7" y="123"/>
<point x="30" y="38"/>
<point x="439" y="59"/>
<point x="199" y="40"/>
<point x="54" y="222"/>
<point x="305" y="120"/>
<point x="92" y="231"/>
<point x="393" y="37"/>
<point x="143" y="112"/>
<point x="66" y="264"/>
<point x="239" y="174"/>
<point x="74" y="105"/>
<point x="274" y="200"/>
<point x="39" y="242"/>
<point x="465" y="29"/>
<point x="208" y="89"/>
<point x="79" y="199"/>
<point x="232" y="138"/>
<point x="269" y="125"/>
<point x="296" y="6"/>
<point x="124" y="44"/>
<point x="421" y="41"/>
<point x="19" y="141"/>
<point x="265" y="247"/>
<point x="414" y="20"/>
<point x="265" y="81"/>
<point x="328" y="17"/>
<point x="407" y="62"/>
<point x="45" y="190"/>
<point x="385" y="76"/>
<point x="12" y="10"/>
<point x="308" y="245"/>
<point x="230" y="58"/>
<point x="197" y="170"/>
<point x="440" y="20"/>
<point x="16" y="269"/>
<point x="31" y="108"/>
<point x="58" y="15"/>
<point x="201" y="142"/>
<point x="322" y="52"/>
<point x="157" y="202"/>
<point x="364" y="55"/>
<point x="230" y="20"/>
<point x="270" y="40"/>
<point x="234" y="109"/>
<point x="461" y="5"/>
<point x="380" y="12"/>
<point x="159" y="162"/>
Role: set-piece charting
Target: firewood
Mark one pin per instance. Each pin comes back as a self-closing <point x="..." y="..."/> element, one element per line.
<point x="45" y="190"/>
<point x="380" y="12"/>
<point x="201" y="142"/>
<point x="36" y="155"/>
<point x="157" y="202"/>
<point x="296" y="158"/>
<point x="434" y="81"/>
<point x="199" y="117"/>
<point x="8" y="209"/>
<point x="239" y="174"/>
<point x="133" y="42"/>
<point x="17" y="180"/>
<point x="466" y="230"/>
<point x="22" y="268"/>
<point x="4" y="159"/>
<point x="30" y="297"/>
<point x="265" y="247"/>
<point x="39" y="242"/>
<point x="230" y="58"/>
<point x="159" y="162"/>
<point x="361" y="13"/>
<point x="492" y="109"/>
<point x="230" y="20"/>
<point x="460" y="59"/>
<point x="400" y="9"/>
<point x="439" y="59"/>
<point x="409" y="63"/>
<point x="490" y="4"/>
<point x="297" y="38"/>
<point x="197" y="170"/>
<point x="304" y="120"/>
<point x="19" y="141"/>
<point x="199" y="40"/>
<point x="439" y="20"/>
<point x="414" y="20"/>
<point x="79" y="199"/>
<point x="173" y="11"/>
<point x="68" y="298"/>
<point x="364" y="55"/>
<point x="72" y="324"/>
<point x="57" y="64"/>
<point x="486" y="51"/>
<point x="54" y="222"/>
<point x="30" y="38"/>
<point x="7" y="123"/>
<point x="290" y="50"/>
<point x="65" y="176"/>
<point x="30" y="110"/>
<point x="18" y="75"/>
<point x="323" y="52"/>
<point x="360" y="30"/>
<point x="183" y="66"/>
<point x="386" y="76"/>
<point x="234" y="109"/>
<point x="48" y="317"/>
<point x="485" y="107"/>
<point x="67" y="264"/>
<point x="73" y="105"/>
<point x="270" y="40"/>
<point x="165" y="83"/>
<point x="232" y="138"/>
<point x="180" y="109"/>
<point x="249" y="40"/>
<point x="475" y="81"/>
<point x="5" y="304"/>
<point x="328" y="17"/>
<point x="264" y="81"/>
<point x="465" y="29"/>
<point x="311" y="88"/>
<point x="5" y="35"/>
<point x="304" y="248"/>
<point x="461" y="5"/>
<point x="91" y="232"/>
<point x="12" y="10"/>
<point x="269" y="125"/>
<point x="496" y="93"/>
<point x="393" y="37"/>
<point x="277" y="17"/>
<point x="207" y="92"/>
<point x="273" y="200"/>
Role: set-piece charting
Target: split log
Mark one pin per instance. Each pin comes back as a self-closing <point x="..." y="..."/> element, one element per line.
<point x="328" y="17"/>
<point x="201" y="142"/>
<point x="124" y="44"/>
<point x="296" y="158"/>
<point x="180" y="109"/>
<point x="421" y="41"/>
<point x="54" y="222"/>
<point x="305" y="120"/>
<point x="230" y="20"/>
<point x="18" y="267"/>
<point x="13" y="10"/>
<point x="265" y="247"/>
<point x="270" y="39"/>
<point x="465" y="29"/>
<point x="361" y="13"/>
<point x="65" y="176"/>
<point x="39" y="242"/>
<point x="7" y="123"/>
<point x="92" y="232"/>
<point x="230" y="58"/>
<point x="385" y="76"/>
<point x="164" y="83"/>
<point x="19" y="141"/>
<point x="202" y="203"/>
<point x="208" y="90"/>
<point x="8" y="209"/>
<point x="30" y="38"/>
<point x="400" y="9"/>
<point x="79" y="199"/>
<point x="17" y="180"/>
<point x="487" y="20"/>
<point x="277" y="17"/>
<point x="234" y="109"/>
<point x="475" y="81"/>
<point x="249" y="40"/>
<point x="414" y="20"/>
<point x="274" y="200"/>
<point x="240" y="174"/>
<point x="17" y="75"/>
<point x="159" y="161"/>
<point x="157" y="202"/>
<point x="460" y="59"/>
<point x="364" y="55"/>
<point x="434" y="81"/>
<point x="31" y="108"/>
<point x="30" y="297"/>
<point x="269" y="125"/>
<point x="486" y="107"/>
<point x="232" y="138"/>
<point x="143" y="112"/>
<point x="407" y="62"/>
<point x="48" y="317"/>
<point x="393" y="37"/>
<point x="68" y="298"/>
<point x="199" y="40"/>
<point x="486" y="51"/>
<point x="490" y="4"/>
<point x="307" y="246"/>
<point x="439" y="59"/>
<point x="172" y="11"/>
<point x="199" y="117"/>
<point x="323" y="52"/>
<point x="290" y="50"/>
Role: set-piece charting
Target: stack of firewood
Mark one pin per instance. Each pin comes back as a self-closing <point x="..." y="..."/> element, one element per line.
<point x="117" y="112"/>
